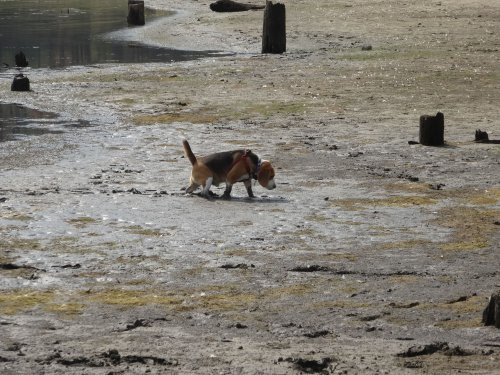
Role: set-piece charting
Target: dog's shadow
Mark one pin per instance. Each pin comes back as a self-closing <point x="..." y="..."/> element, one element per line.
<point x="264" y="199"/>
<point x="256" y="200"/>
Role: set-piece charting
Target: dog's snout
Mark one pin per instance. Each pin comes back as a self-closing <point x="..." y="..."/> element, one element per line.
<point x="271" y="185"/>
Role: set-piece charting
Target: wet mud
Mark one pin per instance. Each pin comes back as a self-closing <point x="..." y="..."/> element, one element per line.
<point x="372" y="255"/>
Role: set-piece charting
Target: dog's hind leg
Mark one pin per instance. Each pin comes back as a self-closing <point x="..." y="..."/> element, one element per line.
<point x="206" y="188"/>
<point x="192" y="187"/>
<point x="227" y="191"/>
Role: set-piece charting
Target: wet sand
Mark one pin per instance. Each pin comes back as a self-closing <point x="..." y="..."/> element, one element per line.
<point x="371" y="256"/>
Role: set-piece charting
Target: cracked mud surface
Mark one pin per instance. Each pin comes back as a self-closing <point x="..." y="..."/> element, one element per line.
<point x="371" y="256"/>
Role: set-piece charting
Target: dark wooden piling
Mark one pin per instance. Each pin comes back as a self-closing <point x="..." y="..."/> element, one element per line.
<point x="491" y="315"/>
<point x="432" y="130"/>
<point x="20" y="83"/>
<point x="274" y="30"/>
<point x="20" y="59"/>
<point x="136" y="13"/>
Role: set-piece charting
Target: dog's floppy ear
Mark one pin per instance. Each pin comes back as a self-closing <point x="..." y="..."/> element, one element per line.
<point x="265" y="174"/>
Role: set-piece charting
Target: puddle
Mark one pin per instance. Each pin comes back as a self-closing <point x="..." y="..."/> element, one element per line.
<point x="58" y="33"/>
<point x="18" y="122"/>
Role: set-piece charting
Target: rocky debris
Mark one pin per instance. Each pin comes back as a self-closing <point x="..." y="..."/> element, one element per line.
<point x="310" y="268"/>
<point x="436" y="347"/>
<point x="109" y="358"/>
<point x="311" y="366"/>
<point x="138" y="323"/>
<point x="315" y="334"/>
<point x="230" y="266"/>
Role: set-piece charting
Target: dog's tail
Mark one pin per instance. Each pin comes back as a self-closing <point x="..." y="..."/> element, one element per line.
<point x="189" y="152"/>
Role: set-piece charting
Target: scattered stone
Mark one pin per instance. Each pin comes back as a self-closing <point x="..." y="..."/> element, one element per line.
<point x="315" y="334"/>
<point x="80" y="361"/>
<point x="230" y="266"/>
<point x="134" y="191"/>
<point x="437" y="347"/>
<point x="138" y="323"/>
<point x="3" y="199"/>
<point x="310" y="268"/>
<point x="459" y="299"/>
<point x="404" y="306"/>
<point x="74" y="266"/>
<point x="436" y="186"/>
<point x="311" y="366"/>
<point x="413" y="143"/>
<point x="369" y="318"/>
<point x="355" y="154"/>
<point x="366" y="47"/>
<point x="408" y="177"/>
<point x="413" y="364"/>
<point x="12" y="266"/>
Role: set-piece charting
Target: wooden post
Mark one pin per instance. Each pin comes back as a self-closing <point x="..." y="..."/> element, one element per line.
<point x="136" y="12"/>
<point x="274" y="30"/>
<point x="432" y="130"/>
<point x="21" y="60"/>
<point x="20" y="83"/>
<point x="481" y="136"/>
<point x="491" y="315"/>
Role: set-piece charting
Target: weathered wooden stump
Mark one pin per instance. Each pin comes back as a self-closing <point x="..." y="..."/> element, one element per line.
<point x="481" y="136"/>
<point x="21" y="60"/>
<point x="20" y="83"/>
<point x="274" y="30"/>
<point x="491" y="315"/>
<point x="136" y="13"/>
<point x="233" y="6"/>
<point x="432" y="130"/>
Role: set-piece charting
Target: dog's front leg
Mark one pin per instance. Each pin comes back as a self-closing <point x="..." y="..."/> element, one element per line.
<point x="248" y="185"/>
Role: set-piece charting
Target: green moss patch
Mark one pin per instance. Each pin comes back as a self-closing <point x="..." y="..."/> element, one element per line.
<point x="81" y="221"/>
<point x="13" y="302"/>
<point x="355" y="204"/>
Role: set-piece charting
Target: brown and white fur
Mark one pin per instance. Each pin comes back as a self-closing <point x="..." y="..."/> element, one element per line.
<point x="229" y="167"/>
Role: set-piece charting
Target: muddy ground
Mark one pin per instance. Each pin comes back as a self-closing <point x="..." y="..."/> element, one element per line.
<point x="372" y="256"/>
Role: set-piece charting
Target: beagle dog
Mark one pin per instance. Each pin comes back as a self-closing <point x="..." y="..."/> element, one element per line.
<point x="229" y="167"/>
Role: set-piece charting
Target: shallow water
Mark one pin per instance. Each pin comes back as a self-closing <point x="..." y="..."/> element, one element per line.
<point x="58" y="33"/>
<point x="18" y="122"/>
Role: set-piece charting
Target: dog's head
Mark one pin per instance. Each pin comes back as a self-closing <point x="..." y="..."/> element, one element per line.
<point x="265" y="175"/>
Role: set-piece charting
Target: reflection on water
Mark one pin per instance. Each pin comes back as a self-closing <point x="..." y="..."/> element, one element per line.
<point x="57" y="33"/>
<point x="17" y="122"/>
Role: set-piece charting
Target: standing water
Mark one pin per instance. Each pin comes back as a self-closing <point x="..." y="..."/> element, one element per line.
<point x="58" y="33"/>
